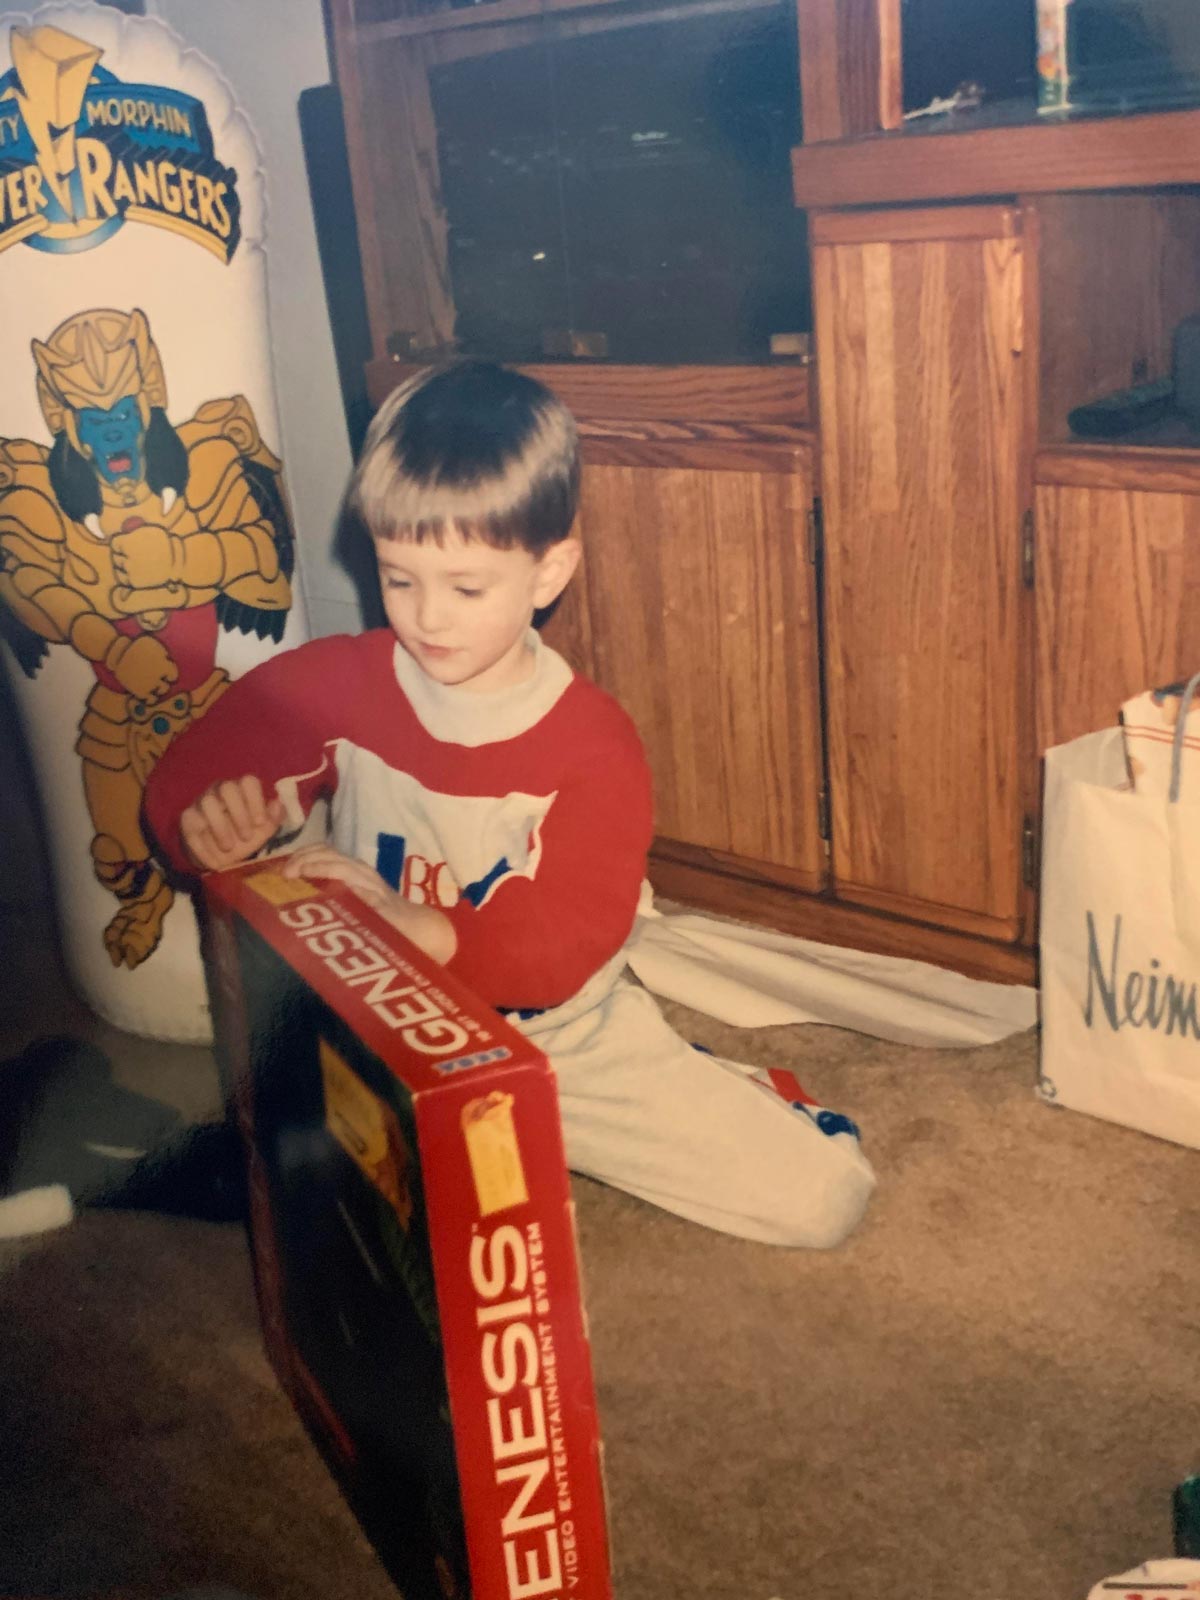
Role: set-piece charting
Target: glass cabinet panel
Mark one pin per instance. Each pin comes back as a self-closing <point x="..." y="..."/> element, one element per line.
<point x="619" y="186"/>
<point x="989" y="43"/>
<point x="1103" y="55"/>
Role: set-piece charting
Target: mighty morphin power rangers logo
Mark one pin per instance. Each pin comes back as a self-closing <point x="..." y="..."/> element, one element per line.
<point x="82" y="153"/>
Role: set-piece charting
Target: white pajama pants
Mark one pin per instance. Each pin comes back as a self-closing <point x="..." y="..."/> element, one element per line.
<point x="646" y="1112"/>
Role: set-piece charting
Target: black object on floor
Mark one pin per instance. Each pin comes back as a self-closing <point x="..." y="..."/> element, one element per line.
<point x="63" y="1120"/>
<point x="200" y="1173"/>
<point x="1187" y="1518"/>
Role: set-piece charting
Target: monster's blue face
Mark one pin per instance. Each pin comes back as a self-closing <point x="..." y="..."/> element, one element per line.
<point x="114" y="439"/>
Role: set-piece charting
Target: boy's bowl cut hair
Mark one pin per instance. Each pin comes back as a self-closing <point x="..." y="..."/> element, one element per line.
<point x="475" y="446"/>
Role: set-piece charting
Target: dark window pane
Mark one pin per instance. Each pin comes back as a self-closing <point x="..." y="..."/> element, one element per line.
<point x="629" y="181"/>
<point x="988" y="42"/>
<point x="1127" y="53"/>
<point x="497" y="154"/>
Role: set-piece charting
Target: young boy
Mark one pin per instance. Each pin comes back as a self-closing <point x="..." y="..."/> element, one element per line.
<point x="495" y="807"/>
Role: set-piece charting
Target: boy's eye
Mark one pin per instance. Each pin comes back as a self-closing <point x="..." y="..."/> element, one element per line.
<point x="467" y="594"/>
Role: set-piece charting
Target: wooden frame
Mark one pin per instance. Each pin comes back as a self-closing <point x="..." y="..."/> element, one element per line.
<point x="1107" y="466"/>
<point x="778" y="396"/>
<point x="489" y="26"/>
<point x="761" y="456"/>
<point x="812" y="916"/>
<point x="849" y="67"/>
<point x="1038" y="157"/>
<point x="953" y="222"/>
<point x="404" y="253"/>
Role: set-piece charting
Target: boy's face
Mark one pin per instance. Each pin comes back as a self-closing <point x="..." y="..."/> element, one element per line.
<point x="462" y="608"/>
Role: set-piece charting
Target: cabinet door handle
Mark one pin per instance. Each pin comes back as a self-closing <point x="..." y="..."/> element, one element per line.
<point x="816" y="533"/>
<point x="1029" y="852"/>
<point x="1027" y="550"/>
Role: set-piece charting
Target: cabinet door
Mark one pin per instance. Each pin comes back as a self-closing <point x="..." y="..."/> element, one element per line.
<point x="918" y="320"/>
<point x="701" y="620"/>
<point x="1118" y="600"/>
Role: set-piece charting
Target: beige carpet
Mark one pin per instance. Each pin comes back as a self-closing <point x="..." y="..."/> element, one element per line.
<point x="990" y="1391"/>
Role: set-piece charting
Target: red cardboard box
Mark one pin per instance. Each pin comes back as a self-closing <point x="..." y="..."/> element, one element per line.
<point x="413" y="1241"/>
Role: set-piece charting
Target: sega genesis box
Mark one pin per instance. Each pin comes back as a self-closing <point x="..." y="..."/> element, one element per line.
<point x="413" y="1243"/>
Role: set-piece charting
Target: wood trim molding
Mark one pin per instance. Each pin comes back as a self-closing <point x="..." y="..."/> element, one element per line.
<point x="1031" y="380"/>
<point x="1114" y="467"/>
<point x="779" y="394"/>
<point x="898" y="905"/>
<point x="402" y="228"/>
<point x="923" y="226"/>
<point x="720" y="861"/>
<point x="817" y="917"/>
<point x="1031" y="158"/>
<point x="890" y="74"/>
<point x="672" y="431"/>
<point x="505" y="13"/>
<point x="714" y="455"/>
<point x="849" y="67"/>
<point x="349" y="81"/>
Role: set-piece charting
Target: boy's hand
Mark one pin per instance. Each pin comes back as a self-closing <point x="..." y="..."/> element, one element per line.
<point x="230" y="823"/>
<point x="323" y="861"/>
<point x="428" y="928"/>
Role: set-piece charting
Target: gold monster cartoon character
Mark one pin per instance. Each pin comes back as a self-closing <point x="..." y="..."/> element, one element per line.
<point x="133" y="542"/>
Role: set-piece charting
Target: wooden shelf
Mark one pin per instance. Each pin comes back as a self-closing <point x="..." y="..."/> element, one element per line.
<point x="1171" y="433"/>
<point x="1119" y="466"/>
<point x="967" y="160"/>
<point x="728" y="395"/>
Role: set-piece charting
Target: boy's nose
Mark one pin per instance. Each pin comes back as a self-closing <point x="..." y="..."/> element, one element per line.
<point x="431" y="611"/>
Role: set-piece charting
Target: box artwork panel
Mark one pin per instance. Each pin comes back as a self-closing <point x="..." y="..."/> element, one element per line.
<point x="335" y="1135"/>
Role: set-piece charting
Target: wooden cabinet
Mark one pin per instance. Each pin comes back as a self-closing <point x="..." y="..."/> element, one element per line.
<point x="702" y="615"/>
<point x="919" y="325"/>
<point x="696" y="605"/>
<point x="845" y="733"/>
<point x="1118" y="594"/>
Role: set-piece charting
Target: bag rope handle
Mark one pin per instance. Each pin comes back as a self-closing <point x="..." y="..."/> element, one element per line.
<point x="1185" y="705"/>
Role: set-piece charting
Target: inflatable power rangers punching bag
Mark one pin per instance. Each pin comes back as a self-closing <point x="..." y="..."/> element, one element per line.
<point x="146" y="553"/>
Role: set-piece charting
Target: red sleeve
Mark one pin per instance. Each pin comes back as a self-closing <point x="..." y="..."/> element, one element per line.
<point x="538" y="940"/>
<point x="272" y="723"/>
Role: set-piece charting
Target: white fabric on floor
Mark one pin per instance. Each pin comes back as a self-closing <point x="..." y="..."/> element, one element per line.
<point x="753" y="978"/>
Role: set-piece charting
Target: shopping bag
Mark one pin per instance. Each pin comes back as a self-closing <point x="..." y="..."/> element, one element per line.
<point x="1120" y="938"/>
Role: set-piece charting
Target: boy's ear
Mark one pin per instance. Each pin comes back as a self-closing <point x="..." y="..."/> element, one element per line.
<point x="555" y="570"/>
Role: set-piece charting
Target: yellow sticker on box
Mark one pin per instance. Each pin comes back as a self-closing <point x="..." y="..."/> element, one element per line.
<point x="367" y="1130"/>
<point x="280" y="891"/>
<point x="494" y="1153"/>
